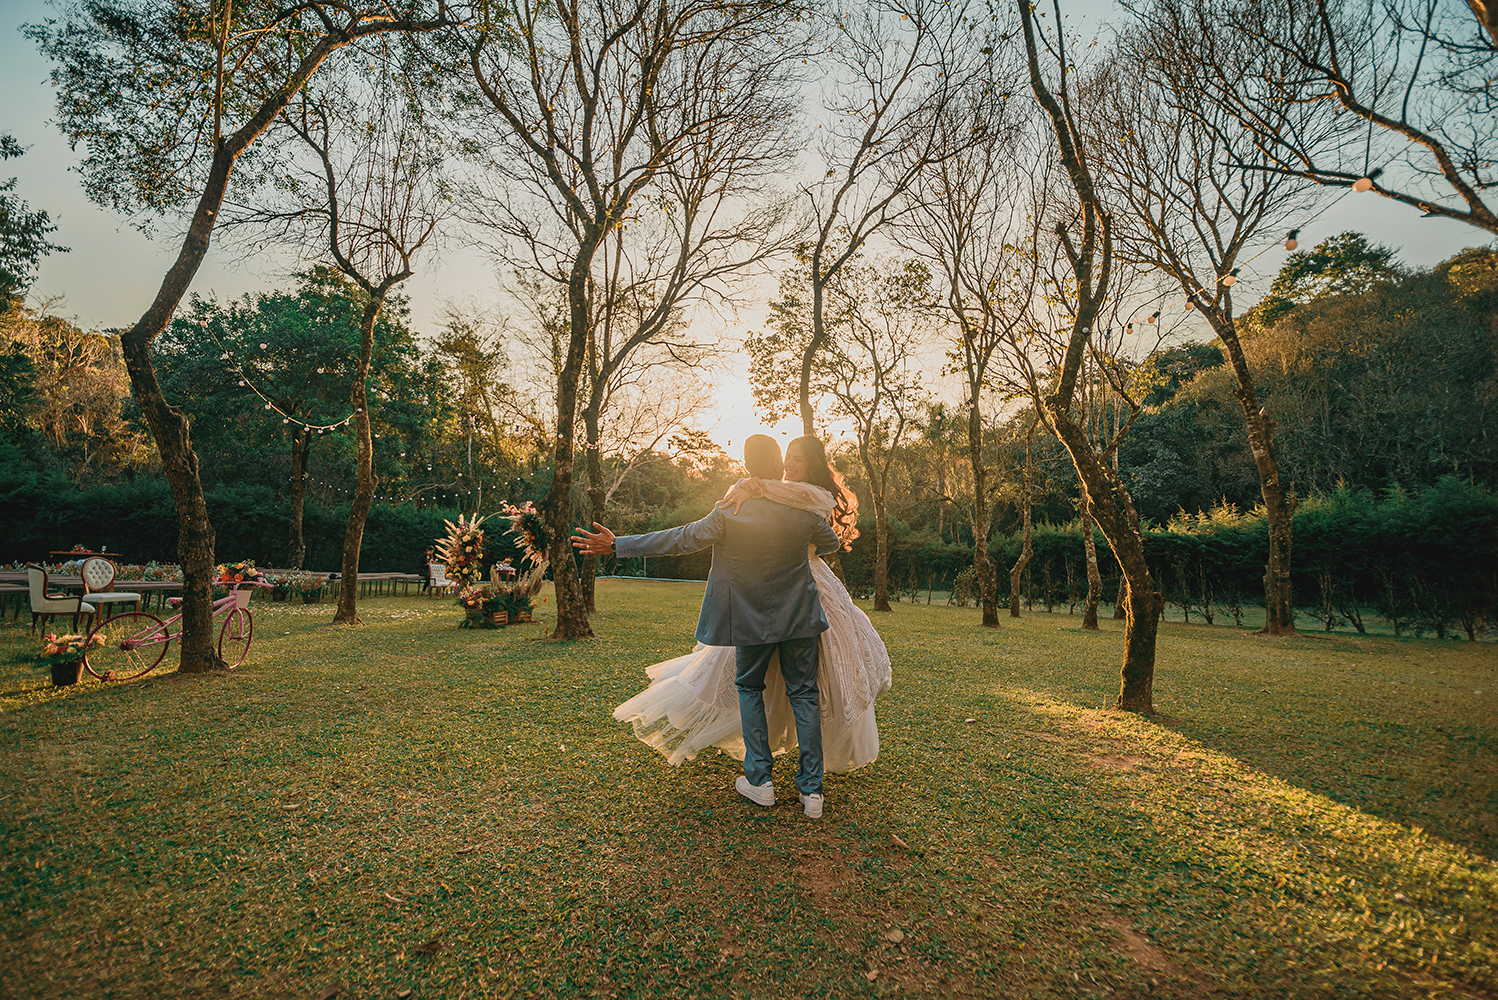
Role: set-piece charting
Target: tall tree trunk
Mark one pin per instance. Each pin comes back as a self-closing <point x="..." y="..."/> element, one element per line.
<point x="572" y="609"/>
<point x="808" y="358"/>
<point x="1279" y="618"/>
<point x="982" y="562"/>
<point x="1094" y="578"/>
<point x="353" y="534"/>
<point x="881" y="554"/>
<point x="169" y="427"/>
<point x="877" y="483"/>
<point x="301" y="452"/>
<point x="1027" y="507"/>
<point x="1018" y="569"/>
<point x="1110" y="506"/>
<point x="595" y="503"/>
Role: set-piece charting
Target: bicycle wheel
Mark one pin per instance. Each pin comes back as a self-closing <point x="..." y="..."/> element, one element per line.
<point x="127" y="645"/>
<point x="234" y="637"/>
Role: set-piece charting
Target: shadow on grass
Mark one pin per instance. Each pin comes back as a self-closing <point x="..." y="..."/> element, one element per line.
<point x="1396" y="728"/>
<point x="447" y="812"/>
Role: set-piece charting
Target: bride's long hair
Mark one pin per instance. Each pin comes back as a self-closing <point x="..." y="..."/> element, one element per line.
<point x="821" y="472"/>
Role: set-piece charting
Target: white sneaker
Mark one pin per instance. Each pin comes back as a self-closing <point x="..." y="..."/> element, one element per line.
<point x="760" y="795"/>
<point x="813" y="804"/>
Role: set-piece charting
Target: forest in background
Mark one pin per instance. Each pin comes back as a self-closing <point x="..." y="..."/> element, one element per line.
<point x="1384" y="379"/>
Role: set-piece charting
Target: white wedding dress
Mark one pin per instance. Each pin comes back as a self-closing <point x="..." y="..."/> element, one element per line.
<point x="692" y="702"/>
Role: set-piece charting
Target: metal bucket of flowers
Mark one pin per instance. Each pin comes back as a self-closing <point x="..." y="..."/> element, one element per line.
<point x="64" y="654"/>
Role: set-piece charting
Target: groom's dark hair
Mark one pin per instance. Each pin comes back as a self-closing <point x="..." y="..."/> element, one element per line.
<point x="762" y="457"/>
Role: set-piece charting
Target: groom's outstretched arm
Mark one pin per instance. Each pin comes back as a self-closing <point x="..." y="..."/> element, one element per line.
<point x="825" y="539"/>
<point x="692" y="537"/>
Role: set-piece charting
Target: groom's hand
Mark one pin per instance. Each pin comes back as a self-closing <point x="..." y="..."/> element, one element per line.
<point x="593" y="543"/>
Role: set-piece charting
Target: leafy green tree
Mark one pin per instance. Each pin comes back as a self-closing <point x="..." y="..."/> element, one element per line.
<point x="1345" y="264"/>
<point x="253" y="374"/>
<point x="167" y="96"/>
<point x="23" y="233"/>
<point x="69" y="389"/>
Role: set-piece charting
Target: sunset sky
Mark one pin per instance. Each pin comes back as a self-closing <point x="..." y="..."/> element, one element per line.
<point x="112" y="272"/>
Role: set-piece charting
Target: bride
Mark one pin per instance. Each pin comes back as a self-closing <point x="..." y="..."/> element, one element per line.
<point x="692" y="702"/>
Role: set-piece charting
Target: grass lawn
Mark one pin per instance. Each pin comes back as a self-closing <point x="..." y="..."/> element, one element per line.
<point x="406" y="809"/>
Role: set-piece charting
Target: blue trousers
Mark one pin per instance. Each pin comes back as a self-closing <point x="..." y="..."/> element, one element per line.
<point x="798" y="665"/>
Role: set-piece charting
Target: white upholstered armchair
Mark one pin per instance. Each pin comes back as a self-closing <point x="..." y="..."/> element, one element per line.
<point x="439" y="581"/>
<point x="45" y="604"/>
<point x="98" y="584"/>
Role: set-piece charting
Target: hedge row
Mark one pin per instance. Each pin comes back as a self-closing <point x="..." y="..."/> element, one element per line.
<point x="138" y="520"/>
<point x="1425" y="561"/>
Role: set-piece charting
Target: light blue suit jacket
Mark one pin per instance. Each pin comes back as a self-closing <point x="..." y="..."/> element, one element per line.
<point x="760" y="589"/>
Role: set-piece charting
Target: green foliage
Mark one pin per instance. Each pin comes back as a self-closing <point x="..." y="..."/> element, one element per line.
<point x="1424" y="561"/>
<point x="23" y="234"/>
<point x="138" y="520"/>
<point x="299" y="349"/>
<point x="1345" y="264"/>
<point x="1393" y="384"/>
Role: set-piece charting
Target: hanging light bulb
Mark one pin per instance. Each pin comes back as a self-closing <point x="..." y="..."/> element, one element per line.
<point x="1363" y="184"/>
<point x="1190" y="304"/>
<point x="267" y="406"/>
<point x="1153" y="316"/>
<point x="1290" y="241"/>
<point x="1230" y="280"/>
<point x="262" y="347"/>
<point x="241" y="381"/>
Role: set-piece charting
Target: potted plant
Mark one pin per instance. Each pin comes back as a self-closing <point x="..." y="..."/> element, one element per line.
<point x="311" y="586"/>
<point x="64" y="654"/>
<point x="519" y="606"/>
<point x="280" y="587"/>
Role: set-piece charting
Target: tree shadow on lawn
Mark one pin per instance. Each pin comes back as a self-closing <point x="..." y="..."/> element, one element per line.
<point x="1403" y="729"/>
<point x="1250" y="883"/>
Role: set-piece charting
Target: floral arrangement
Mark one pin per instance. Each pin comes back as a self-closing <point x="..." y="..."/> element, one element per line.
<point x="529" y="529"/>
<point x="475" y="598"/>
<point x="236" y="572"/>
<point x="65" y="648"/>
<point x="489" y="600"/>
<point x="310" y="583"/>
<point x="159" y="571"/>
<point x="462" y="551"/>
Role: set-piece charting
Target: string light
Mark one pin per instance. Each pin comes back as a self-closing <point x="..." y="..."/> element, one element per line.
<point x="1290" y="241"/>
<point x="244" y="381"/>
<point x="1229" y="280"/>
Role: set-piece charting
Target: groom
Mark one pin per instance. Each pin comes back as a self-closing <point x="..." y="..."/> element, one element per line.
<point x="760" y="598"/>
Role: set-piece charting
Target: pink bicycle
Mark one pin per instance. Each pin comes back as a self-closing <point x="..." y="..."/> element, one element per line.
<point x="132" y="643"/>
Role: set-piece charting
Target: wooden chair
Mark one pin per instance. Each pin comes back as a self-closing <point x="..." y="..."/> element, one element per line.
<point x="98" y="584"/>
<point x="46" y="605"/>
<point x="439" y="580"/>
